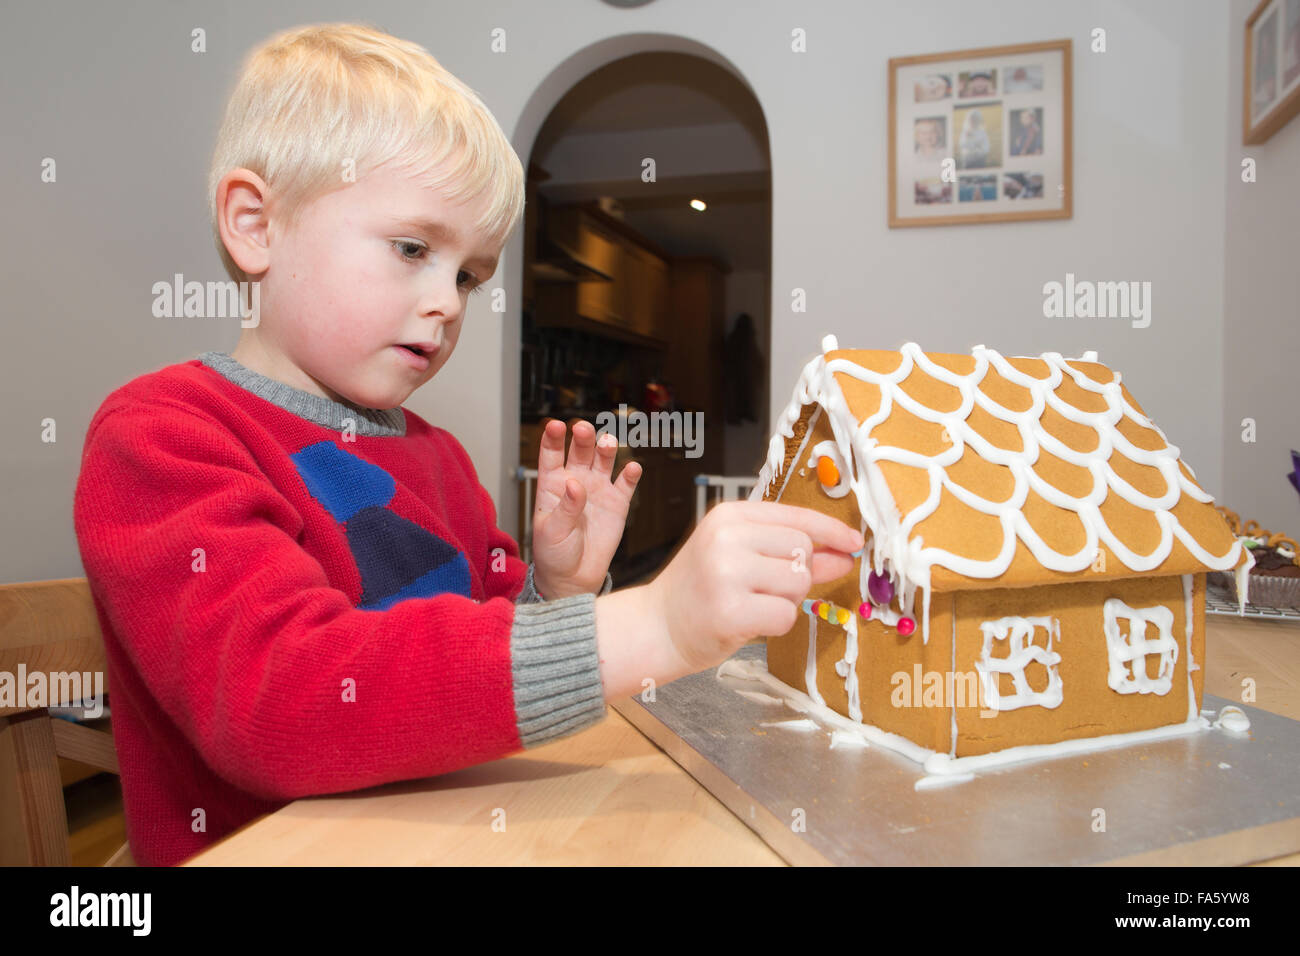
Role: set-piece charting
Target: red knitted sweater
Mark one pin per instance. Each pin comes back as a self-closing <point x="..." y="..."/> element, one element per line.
<point x="291" y="610"/>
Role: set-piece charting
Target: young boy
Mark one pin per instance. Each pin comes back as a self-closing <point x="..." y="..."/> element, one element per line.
<point x="301" y="585"/>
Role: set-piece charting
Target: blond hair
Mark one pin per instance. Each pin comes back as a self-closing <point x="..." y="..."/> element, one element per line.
<point x="310" y="99"/>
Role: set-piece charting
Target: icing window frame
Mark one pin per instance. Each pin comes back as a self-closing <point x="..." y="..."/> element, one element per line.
<point x="1124" y="650"/>
<point x="1014" y="630"/>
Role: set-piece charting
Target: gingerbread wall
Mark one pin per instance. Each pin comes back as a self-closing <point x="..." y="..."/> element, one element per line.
<point x="1089" y="707"/>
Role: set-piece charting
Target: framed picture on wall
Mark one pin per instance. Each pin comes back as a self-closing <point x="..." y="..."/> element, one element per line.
<point x="1272" y="81"/>
<point x="981" y="135"/>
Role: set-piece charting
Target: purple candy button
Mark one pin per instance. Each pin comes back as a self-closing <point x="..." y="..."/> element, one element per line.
<point x="880" y="588"/>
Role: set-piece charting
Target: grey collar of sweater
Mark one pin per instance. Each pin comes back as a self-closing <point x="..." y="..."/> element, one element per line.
<point x="376" y="422"/>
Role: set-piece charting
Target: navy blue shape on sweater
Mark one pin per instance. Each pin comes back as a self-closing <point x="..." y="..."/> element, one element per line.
<point x="397" y="559"/>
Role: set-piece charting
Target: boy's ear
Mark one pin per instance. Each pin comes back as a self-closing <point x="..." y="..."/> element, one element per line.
<point x="242" y="220"/>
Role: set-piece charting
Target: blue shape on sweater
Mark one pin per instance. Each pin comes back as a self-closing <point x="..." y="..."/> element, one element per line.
<point x="452" y="577"/>
<point x="341" y="481"/>
<point x="394" y="554"/>
<point x="396" y="557"/>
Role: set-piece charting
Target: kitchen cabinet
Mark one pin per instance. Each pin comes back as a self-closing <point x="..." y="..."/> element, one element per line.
<point x="662" y="508"/>
<point x="695" y="363"/>
<point x="603" y="301"/>
<point x="630" y="305"/>
<point x="646" y="299"/>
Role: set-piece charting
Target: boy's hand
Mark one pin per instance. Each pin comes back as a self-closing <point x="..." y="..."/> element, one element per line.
<point x="580" y="513"/>
<point x="743" y="573"/>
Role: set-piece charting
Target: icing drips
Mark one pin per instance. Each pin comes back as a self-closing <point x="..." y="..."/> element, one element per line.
<point x="851" y="664"/>
<point x="802" y="724"/>
<point x="842" y="738"/>
<point x="931" y="781"/>
<point x="1188" y="621"/>
<point x="1233" y="718"/>
<point x="846" y="667"/>
<point x="810" y="669"/>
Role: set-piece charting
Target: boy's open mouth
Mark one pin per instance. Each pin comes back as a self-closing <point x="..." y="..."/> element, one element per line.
<point x="424" y="349"/>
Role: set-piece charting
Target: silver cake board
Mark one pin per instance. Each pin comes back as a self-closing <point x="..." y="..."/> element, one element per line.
<point x="1209" y="798"/>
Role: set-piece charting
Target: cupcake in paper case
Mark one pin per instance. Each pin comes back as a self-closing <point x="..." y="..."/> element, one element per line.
<point x="1274" y="579"/>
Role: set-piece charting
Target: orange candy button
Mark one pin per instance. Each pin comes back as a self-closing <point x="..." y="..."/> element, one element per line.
<point x="827" y="473"/>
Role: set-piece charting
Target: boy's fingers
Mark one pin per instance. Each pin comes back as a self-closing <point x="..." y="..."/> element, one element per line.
<point x="797" y="550"/>
<point x="551" y="455"/>
<point x="606" y="449"/>
<point x="772" y="575"/>
<point x="757" y="614"/>
<point x="582" y="448"/>
<point x="827" y="532"/>
<point x="574" y="498"/>
<point x="776" y="541"/>
<point x="567" y="510"/>
<point x="830" y="566"/>
<point x="628" y="478"/>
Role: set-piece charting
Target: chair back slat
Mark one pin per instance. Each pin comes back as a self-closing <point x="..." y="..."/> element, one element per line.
<point x="48" y="628"/>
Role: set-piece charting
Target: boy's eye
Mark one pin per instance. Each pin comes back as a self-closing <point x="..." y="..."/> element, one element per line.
<point x="403" y="246"/>
<point x="475" y="287"/>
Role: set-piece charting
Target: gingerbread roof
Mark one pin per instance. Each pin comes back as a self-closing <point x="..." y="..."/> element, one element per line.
<point x="1028" y="470"/>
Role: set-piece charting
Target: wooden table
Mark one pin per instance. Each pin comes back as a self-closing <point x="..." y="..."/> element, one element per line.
<point x="608" y="796"/>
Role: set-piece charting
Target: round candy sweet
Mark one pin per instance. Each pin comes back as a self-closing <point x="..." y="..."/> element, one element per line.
<point x="842" y="614"/>
<point x="906" y="626"/>
<point x="880" y="588"/>
<point x="864" y="609"/>
<point x="827" y="473"/>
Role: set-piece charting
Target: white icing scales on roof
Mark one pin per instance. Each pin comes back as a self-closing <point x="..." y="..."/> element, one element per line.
<point x="901" y="553"/>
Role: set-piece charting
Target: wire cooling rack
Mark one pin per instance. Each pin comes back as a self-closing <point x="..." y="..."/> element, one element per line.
<point x="1219" y="601"/>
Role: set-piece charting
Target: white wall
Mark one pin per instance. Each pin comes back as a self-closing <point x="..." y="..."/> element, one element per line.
<point x="1147" y="168"/>
<point x="116" y="96"/>
<point x="1261" y="331"/>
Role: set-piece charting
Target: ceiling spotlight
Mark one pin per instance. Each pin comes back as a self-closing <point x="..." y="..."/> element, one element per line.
<point x="698" y="205"/>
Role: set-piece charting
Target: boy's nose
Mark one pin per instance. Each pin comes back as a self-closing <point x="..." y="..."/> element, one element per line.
<point x="439" y="304"/>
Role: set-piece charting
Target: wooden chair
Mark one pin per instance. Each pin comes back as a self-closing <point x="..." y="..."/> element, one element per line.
<point x="47" y="626"/>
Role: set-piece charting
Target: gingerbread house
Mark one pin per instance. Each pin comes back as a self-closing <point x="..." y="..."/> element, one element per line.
<point x="1035" y="559"/>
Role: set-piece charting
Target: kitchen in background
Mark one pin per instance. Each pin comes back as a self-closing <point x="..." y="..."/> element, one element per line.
<point x="630" y="292"/>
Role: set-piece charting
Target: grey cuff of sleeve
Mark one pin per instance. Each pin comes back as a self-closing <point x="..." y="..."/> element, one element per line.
<point x="529" y="594"/>
<point x="556" y="668"/>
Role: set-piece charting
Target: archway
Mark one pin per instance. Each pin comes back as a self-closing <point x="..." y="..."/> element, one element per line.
<point x="552" y="95"/>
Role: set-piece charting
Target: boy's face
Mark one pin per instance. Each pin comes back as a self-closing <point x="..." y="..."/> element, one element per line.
<point x="363" y="272"/>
